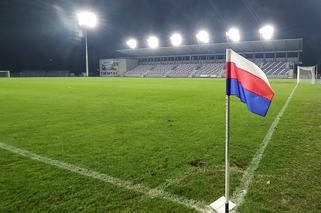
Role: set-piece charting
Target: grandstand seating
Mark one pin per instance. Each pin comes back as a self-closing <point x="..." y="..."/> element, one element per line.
<point x="183" y="70"/>
<point x="159" y="70"/>
<point x="139" y="71"/>
<point x="143" y="68"/>
<point x="211" y="70"/>
<point x="275" y="69"/>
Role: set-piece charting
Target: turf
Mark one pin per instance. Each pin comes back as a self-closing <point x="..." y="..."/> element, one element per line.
<point x="288" y="179"/>
<point x="165" y="133"/>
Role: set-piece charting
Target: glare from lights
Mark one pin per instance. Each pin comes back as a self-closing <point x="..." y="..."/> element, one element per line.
<point x="233" y="34"/>
<point x="267" y="32"/>
<point x="176" y="39"/>
<point x="132" y="43"/>
<point x="153" y="42"/>
<point x="87" y="19"/>
<point x="203" y="37"/>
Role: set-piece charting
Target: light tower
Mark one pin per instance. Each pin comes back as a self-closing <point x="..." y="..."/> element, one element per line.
<point x="203" y="37"/>
<point x="131" y="43"/>
<point x="176" y="39"/>
<point x="87" y="20"/>
<point x="233" y="34"/>
<point x="153" y="42"/>
<point x="266" y="32"/>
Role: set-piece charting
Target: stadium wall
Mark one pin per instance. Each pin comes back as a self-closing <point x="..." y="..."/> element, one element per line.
<point x="116" y="67"/>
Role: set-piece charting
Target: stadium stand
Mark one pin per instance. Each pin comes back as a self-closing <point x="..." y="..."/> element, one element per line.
<point x="139" y="70"/>
<point x="159" y="70"/>
<point x="214" y="70"/>
<point x="211" y="70"/>
<point x="276" y="58"/>
<point x="183" y="70"/>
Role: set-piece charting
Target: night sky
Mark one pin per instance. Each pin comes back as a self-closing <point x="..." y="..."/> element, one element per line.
<point x="42" y="35"/>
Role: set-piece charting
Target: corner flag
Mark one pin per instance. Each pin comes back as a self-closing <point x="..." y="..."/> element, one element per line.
<point x="247" y="81"/>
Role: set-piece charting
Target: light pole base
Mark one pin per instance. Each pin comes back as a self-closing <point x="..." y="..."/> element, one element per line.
<point x="219" y="205"/>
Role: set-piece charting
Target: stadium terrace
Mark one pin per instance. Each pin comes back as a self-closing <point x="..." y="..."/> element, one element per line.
<point x="277" y="58"/>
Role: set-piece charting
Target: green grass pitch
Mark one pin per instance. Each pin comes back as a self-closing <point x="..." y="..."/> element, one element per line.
<point x="161" y="133"/>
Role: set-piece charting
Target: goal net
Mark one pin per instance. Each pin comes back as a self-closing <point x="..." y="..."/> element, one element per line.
<point x="306" y="74"/>
<point x="4" y="74"/>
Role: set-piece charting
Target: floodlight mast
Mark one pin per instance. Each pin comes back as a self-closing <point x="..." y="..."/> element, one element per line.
<point x="233" y="34"/>
<point x="87" y="65"/>
<point x="176" y="39"/>
<point x="266" y="32"/>
<point x="132" y="43"/>
<point x="86" y="20"/>
<point x="153" y="42"/>
<point x="203" y="37"/>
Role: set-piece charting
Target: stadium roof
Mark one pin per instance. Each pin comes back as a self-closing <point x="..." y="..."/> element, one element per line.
<point x="284" y="45"/>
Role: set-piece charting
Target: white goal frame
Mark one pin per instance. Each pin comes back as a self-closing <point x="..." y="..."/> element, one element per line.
<point x="311" y="70"/>
<point x="5" y="71"/>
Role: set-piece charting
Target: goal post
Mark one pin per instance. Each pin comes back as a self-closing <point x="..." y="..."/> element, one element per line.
<point x="4" y="74"/>
<point x="306" y="74"/>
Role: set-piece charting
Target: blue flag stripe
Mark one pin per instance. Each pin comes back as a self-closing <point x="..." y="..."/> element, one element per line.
<point x="256" y="104"/>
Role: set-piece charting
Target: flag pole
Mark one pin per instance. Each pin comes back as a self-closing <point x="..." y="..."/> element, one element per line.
<point x="227" y="155"/>
<point x="227" y="142"/>
<point x="223" y="204"/>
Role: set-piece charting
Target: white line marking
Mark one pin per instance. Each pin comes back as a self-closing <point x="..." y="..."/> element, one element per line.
<point x="242" y="189"/>
<point x="151" y="192"/>
<point x="238" y="195"/>
<point x="194" y="170"/>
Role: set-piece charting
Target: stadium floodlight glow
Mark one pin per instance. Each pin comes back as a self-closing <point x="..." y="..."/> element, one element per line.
<point x="203" y="37"/>
<point x="267" y="32"/>
<point x="233" y="34"/>
<point x="132" y="43"/>
<point x="176" y="39"/>
<point x="87" y="19"/>
<point x="153" y="42"/>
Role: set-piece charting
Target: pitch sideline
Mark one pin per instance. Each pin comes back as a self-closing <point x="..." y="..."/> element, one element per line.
<point x="242" y="189"/>
<point x="151" y="192"/>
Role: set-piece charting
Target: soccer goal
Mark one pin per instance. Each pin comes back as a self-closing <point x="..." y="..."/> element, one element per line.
<point x="306" y="74"/>
<point x="4" y="74"/>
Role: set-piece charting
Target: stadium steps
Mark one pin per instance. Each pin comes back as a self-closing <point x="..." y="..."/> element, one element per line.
<point x="145" y="74"/>
<point x="193" y="73"/>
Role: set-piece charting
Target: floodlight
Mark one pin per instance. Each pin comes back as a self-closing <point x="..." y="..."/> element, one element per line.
<point x="267" y="32"/>
<point x="87" y="19"/>
<point x="233" y="34"/>
<point x="176" y="39"/>
<point x="153" y="42"/>
<point x="203" y="36"/>
<point x="132" y="43"/>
